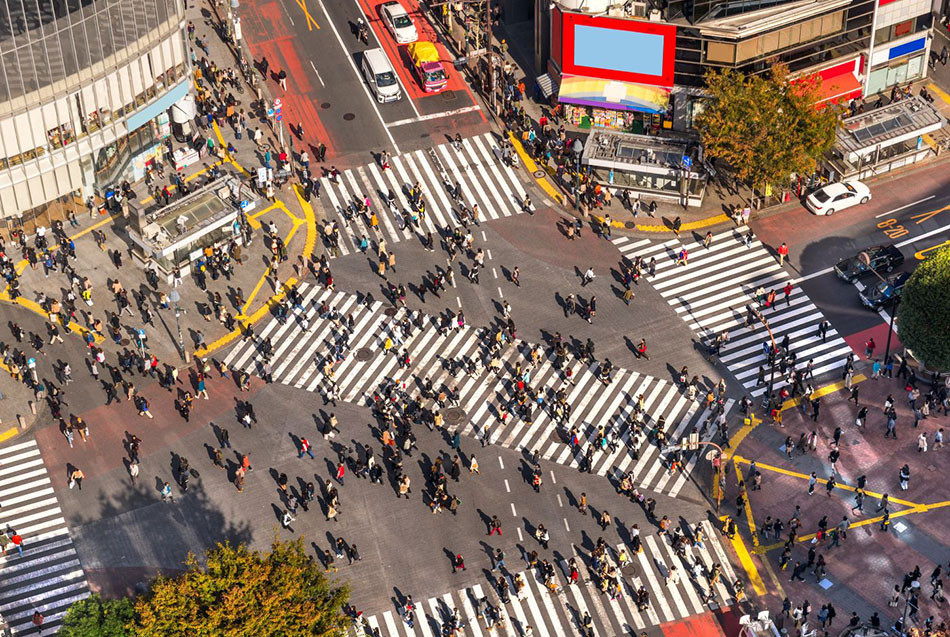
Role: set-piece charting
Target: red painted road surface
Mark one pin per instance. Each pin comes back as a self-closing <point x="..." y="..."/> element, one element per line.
<point x="399" y="55"/>
<point x="706" y="625"/>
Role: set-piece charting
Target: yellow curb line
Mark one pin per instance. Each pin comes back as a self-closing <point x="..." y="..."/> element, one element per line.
<point x="939" y="91"/>
<point x="744" y="431"/>
<point x="746" y="560"/>
<point x="309" y="243"/>
<point x="36" y="308"/>
<point x="9" y="433"/>
<point x="532" y="167"/>
<point x="691" y="225"/>
<point x="748" y="507"/>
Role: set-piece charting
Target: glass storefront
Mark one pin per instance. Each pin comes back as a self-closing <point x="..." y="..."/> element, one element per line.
<point x="899" y="72"/>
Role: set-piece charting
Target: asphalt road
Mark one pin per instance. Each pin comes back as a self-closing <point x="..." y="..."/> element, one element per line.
<point x="316" y="43"/>
<point x="910" y="210"/>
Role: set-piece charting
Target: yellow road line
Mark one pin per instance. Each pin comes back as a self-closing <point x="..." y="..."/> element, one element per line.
<point x="750" y="519"/>
<point x="776" y="583"/>
<point x="311" y="220"/>
<point x="9" y="433"/>
<point x="257" y="288"/>
<point x="94" y="226"/>
<point x="802" y="476"/>
<point x="532" y="167"/>
<point x="824" y="391"/>
<point x="746" y="560"/>
<point x="188" y="178"/>
<point x="310" y="21"/>
<point x="744" y="431"/>
<point x="933" y="88"/>
<point x="36" y="308"/>
<point x="691" y="225"/>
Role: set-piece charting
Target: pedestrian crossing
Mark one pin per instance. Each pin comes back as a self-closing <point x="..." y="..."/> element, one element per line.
<point x="475" y="169"/>
<point x="551" y="612"/>
<point x="299" y="359"/>
<point x="48" y="577"/>
<point x="711" y="294"/>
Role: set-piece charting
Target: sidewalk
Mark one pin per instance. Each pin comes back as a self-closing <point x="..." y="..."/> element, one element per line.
<point x="201" y="334"/>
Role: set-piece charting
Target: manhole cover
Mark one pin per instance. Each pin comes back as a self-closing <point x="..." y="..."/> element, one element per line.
<point x="630" y="225"/>
<point x="349" y="116"/>
<point x="325" y="105"/>
<point x="124" y="342"/>
<point x="453" y="415"/>
<point x="448" y="96"/>
<point x="363" y="354"/>
<point x="538" y="174"/>
<point x="390" y="311"/>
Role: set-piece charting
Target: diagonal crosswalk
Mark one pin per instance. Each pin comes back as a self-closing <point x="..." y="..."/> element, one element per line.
<point x="299" y="358"/>
<point x="711" y="295"/>
<point x="560" y="609"/>
<point x="474" y="169"/>
<point x="48" y="577"/>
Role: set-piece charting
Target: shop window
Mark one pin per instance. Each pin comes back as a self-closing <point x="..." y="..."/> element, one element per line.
<point x="903" y="28"/>
<point x="915" y="67"/>
<point x="60" y="135"/>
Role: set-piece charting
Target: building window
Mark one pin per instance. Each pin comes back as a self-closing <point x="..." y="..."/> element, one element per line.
<point x="769" y="43"/>
<point x="721" y="52"/>
<point x="901" y="29"/>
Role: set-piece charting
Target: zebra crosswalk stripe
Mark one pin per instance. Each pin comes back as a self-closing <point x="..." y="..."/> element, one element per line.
<point x="476" y="167"/>
<point x="48" y="577"/>
<point x="712" y="292"/>
<point x="552" y="613"/>
<point x="298" y="360"/>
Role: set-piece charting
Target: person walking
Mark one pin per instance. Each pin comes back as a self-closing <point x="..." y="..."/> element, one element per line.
<point x="133" y="471"/>
<point x="782" y="253"/>
<point x="75" y="479"/>
<point x="305" y="449"/>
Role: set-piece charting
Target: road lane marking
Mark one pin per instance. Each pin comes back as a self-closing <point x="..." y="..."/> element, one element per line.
<point x="313" y="66"/>
<point x="507" y="488"/>
<point x="440" y="115"/>
<point x="514" y="513"/>
<point x="359" y="76"/>
<point x="913" y="203"/>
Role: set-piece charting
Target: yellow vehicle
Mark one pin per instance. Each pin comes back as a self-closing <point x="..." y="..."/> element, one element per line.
<point x="425" y="60"/>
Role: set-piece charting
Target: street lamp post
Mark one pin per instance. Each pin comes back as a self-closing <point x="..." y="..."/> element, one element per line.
<point x="175" y="297"/>
<point x="865" y="258"/>
<point x="578" y="149"/>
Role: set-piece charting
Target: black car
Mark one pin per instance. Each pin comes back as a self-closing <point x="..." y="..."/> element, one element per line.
<point x="882" y="259"/>
<point x="884" y="292"/>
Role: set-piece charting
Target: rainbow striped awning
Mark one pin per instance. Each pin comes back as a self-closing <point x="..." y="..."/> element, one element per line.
<point x="588" y="91"/>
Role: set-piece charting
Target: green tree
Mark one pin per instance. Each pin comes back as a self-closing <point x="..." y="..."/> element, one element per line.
<point x="764" y="127"/>
<point x="97" y="617"/>
<point x="242" y="592"/>
<point x="924" y="314"/>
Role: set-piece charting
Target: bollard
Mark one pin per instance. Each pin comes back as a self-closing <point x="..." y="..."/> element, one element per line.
<point x="21" y="421"/>
<point x="187" y="357"/>
<point x="32" y="407"/>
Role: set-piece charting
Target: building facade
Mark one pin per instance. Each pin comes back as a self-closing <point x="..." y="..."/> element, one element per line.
<point x="85" y="86"/>
<point x="656" y="66"/>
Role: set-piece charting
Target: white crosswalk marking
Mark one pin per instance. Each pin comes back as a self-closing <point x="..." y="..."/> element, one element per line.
<point x="486" y="182"/>
<point x="712" y="294"/>
<point x="48" y="577"/>
<point x="562" y="611"/>
<point x="299" y="358"/>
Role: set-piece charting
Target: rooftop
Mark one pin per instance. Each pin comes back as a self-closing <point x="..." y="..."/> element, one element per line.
<point x="908" y="116"/>
<point x="627" y="148"/>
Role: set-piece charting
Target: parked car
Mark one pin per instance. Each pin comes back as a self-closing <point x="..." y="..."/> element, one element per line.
<point x="397" y="20"/>
<point x="881" y="259"/>
<point x="885" y="292"/>
<point x="428" y="66"/>
<point x="837" y="196"/>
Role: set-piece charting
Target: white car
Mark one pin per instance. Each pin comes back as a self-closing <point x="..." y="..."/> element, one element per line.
<point x="398" y="22"/>
<point x="837" y="196"/>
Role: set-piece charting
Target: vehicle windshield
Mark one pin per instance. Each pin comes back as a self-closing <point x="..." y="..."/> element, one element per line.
<point x="385" y="79"/>
<point x="821" y="196"/>
<point x="402" y="21"/>
<point x="435" y="76"/>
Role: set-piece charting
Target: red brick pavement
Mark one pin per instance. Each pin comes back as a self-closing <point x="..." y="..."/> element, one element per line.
<point x="104" y="450"/>
<point x="868" y="564"/>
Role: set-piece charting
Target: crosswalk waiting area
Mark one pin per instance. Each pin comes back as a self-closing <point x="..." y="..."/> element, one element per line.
<point x="47" y="576"/>
<point x="713" y="291"/>
<point x="301" y="349"/>
<point x="559" y="609"/>
<point x="474" y="169"/>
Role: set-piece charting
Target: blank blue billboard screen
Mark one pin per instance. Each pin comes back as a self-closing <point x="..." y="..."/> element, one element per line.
<point x="614" y="50"/>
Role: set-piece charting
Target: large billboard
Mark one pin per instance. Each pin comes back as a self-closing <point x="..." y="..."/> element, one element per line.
<point x="621" y="49"/>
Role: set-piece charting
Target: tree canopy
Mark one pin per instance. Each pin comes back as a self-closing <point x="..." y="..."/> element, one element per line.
<point x="237" y="592"/>
<point x="764" y="127"/>
<point x="97" y="617"/>
<point x="924" y="314"/>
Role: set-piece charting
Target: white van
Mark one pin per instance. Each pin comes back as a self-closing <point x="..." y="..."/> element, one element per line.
<point x="381" y="76"/>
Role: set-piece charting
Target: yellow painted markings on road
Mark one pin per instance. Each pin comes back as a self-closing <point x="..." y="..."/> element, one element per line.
<point x="939" y="92"/>
<point x="311" y="23"/>
<point x="36" y="308"/>
<point x="532" y="167"/>
<point x="188" y="178"/>
<point x="9" y="433"/>
<point x="824" y="391"/>
<point x="692" y="225"/>
<point x="920" y="255"/>
<point x="745" y="558"/>
<point x="750" y="519"/>
<point x="927" y="216"/>
<point x="748" y="425"/>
